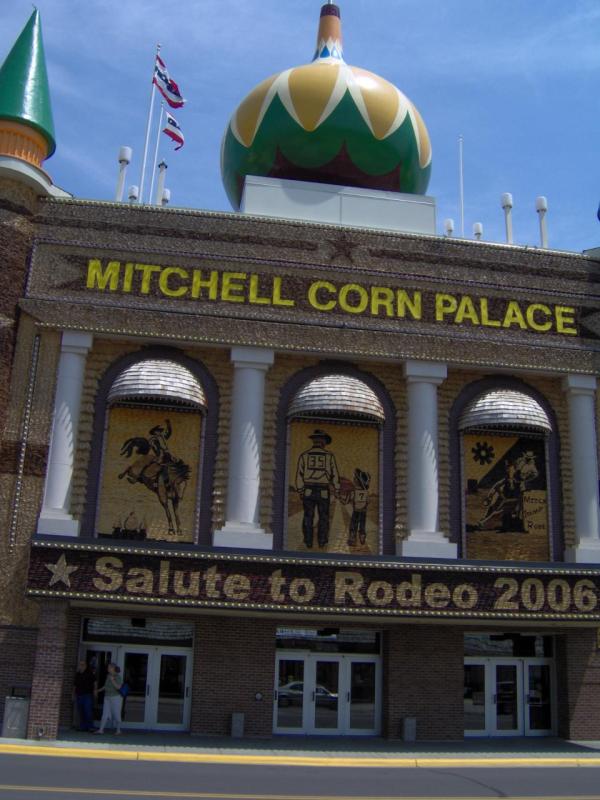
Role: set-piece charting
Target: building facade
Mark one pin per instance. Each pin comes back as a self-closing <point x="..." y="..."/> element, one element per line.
<point x="333" y="477"/>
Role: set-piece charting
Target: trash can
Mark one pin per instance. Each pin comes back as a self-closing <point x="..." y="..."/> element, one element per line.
<point x="237" y="725"/>
<point x="409" y="729"/>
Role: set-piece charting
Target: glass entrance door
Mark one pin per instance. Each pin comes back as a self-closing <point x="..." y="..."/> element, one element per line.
<point x="327" y="694"/>
<point x="538" y="698"/>
<point x="508" y="697"/>
<point x="159" y="680"/>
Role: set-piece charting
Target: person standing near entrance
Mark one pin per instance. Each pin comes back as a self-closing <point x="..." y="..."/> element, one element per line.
<point x="84" y="687"/>
<point x="113" y="700"/>
<point x="317" y="472"/>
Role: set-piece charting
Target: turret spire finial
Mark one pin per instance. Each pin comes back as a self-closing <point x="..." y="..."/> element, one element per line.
<point x="26" y="123"/>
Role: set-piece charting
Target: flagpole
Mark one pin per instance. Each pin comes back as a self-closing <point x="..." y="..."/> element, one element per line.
<point x="461" y="186"/>
<point x="155" y="161"/>
<point x="148" y="124"/>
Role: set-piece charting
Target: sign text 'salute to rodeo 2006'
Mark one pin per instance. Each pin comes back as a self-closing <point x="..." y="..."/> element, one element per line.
<point x="202" y="579"/>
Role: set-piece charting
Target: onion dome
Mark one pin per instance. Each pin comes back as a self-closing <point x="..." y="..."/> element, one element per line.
<point x="337" y="395"/>
<point x="327" y="122"/>
<point x="160" y="381"/>
<point x="504" y="408"/>
<point x="26" y="124"/>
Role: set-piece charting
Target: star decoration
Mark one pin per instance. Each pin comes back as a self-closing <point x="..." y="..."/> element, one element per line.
<point x="60" y="572"/>
<point x="341" y="247"/>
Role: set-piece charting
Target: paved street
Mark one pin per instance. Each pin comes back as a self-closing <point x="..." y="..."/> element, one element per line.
<point x="34" y="777"/>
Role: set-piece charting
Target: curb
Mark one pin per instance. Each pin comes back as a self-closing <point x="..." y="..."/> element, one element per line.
<point x="298" y="761"/>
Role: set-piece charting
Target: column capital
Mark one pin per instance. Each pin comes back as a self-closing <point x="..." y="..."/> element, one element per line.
<point x="253" y="357"/>
<point x="425" y="372"/>
<point x="579" y="384"/>
<point x="76" y="342"/>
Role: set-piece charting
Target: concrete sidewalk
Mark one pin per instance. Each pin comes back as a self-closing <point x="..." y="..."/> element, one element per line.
<point x="312" y="751"/>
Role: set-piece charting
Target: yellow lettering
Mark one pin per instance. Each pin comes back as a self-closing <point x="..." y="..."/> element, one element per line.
<point x="236" y="587"/>
<point x="348" y="583"/>
<point x="514" y="316"/>
<point x="163" y="281"/>
<point x="437" y="595"/>
<point x="147" y="271"/>
<point x="212" y="284"/>
<point x="128" y="277"/>
<point x="485" y="319"/>
<point x="313" y="295"/>
<point x="277" y="582"/>
<point x="404" y="303"/>
<point x="253" y="296"/>
<point x="140" y="581"/>
<point x="530" y="313"/>
<point x="98" y="279"/>
<point x="444" y="304"/>
<point x="109" y="568"/>
<point x="302" y="590"/>
<point x="565" y="317"/>
<point x="163" y="577"/>
<point x="231" y="290"/>
<point x="466" y="310"/>
<point x="189" y="588"/>
<point x="408" y="593"/>
<point x="380" y="593"/>
<point x="278" y="300"/>
<point x="211" y="576"/>
<point x="363" y="298"/>
<point x="380" y="296"/>
<point x="465" y="596"/>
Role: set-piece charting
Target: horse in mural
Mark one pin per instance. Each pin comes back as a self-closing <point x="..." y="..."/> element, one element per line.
<point x="158" y="470"/>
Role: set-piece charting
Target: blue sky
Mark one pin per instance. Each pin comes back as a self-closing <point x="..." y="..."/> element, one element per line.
<point x="519" y="79"/>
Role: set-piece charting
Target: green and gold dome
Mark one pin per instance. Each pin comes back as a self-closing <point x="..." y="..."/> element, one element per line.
<point x="327" y="122"/>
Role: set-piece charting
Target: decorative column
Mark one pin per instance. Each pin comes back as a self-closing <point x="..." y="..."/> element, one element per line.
<point x="242" y="527"/>
<point x="55" y="517"/>
<point x="581" y="391"/>
<point x="425" y="540"/>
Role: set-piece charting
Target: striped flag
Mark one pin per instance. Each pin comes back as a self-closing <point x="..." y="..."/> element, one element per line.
<point x="173" y="131"/>
<point x="166" y="85"/>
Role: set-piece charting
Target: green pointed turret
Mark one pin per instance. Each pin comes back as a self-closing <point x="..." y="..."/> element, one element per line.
<point x="24" y="90"/>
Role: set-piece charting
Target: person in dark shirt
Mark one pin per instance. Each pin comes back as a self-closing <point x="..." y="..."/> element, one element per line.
<point x="84" y="685"/>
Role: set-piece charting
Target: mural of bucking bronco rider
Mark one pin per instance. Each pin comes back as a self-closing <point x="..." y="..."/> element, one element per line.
<point x="158" y="470"/>
<point x="506" y="496"/>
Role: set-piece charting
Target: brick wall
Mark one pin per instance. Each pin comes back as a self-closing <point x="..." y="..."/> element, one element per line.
<point x="423" y="678"/>
<point x="17" y="656"/>
<point x="578" y="684"/>
<point x="48" y="672"/>
<point x="233" y="660"/>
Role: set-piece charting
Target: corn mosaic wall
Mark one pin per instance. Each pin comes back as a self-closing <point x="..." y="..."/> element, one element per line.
<point x="333" y="488"/>
<point x="486" y="544"/>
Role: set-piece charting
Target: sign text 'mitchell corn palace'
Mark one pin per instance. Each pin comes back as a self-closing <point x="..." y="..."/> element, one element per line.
<point x="324" y="296"/>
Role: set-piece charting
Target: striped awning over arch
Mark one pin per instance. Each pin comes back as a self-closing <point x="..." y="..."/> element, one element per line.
<point x="341" y="395"/>
<point x="504" y="408"/>
<point x="158" y="380"/>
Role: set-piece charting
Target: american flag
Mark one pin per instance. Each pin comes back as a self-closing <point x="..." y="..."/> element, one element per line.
<point x="173" y="130"/>
<point x="166" y="85"/>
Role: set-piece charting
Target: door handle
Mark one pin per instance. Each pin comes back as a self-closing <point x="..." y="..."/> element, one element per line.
<point x="276" y="693"/>
<point x="348" y="696"/>
<point x="187" y="691"/>
<point x="147" y="690"/>
<point x="313" y="696"/>
<point x="495" y="698"/>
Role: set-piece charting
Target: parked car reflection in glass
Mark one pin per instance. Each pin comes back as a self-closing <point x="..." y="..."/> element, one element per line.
<point x="292" y="694"/>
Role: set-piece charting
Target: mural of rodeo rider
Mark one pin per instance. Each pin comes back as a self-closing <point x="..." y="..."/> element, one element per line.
<point x="316" y="474"/>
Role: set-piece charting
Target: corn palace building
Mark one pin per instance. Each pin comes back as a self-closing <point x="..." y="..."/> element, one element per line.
<point x="303" y="468"/>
